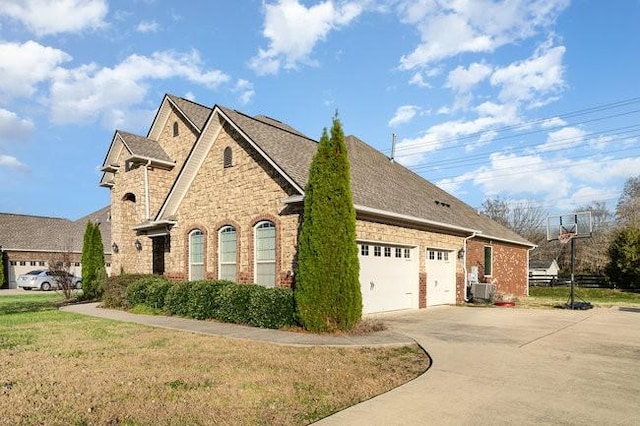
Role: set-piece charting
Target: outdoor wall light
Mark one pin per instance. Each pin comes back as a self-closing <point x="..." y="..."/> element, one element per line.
<point x="461" y="253"/>
<point x="138" y="245"/>
<point x="115" y="248"/>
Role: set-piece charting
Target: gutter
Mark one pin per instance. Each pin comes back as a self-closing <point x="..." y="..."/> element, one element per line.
<point x="464" y="264"/>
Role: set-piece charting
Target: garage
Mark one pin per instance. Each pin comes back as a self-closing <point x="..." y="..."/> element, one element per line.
<point x="388" y="277"/>
<point x="441" y="277"/>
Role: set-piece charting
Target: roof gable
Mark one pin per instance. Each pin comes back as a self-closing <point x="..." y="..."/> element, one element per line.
<point x="195" y="114"/>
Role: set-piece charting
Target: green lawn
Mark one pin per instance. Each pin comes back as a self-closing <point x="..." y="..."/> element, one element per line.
<point x="602" y="297"/>
<point x="60" y="368"/>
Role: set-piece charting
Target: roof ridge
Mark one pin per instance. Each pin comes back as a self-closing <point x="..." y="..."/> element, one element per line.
<point x="35" y="216"/>
<point x="254" y="118"/>
<point x="189" y="100"/>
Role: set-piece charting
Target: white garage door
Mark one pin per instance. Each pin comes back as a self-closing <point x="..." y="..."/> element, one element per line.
<point x="441" y="277"/>
<point x="388" y="277"/>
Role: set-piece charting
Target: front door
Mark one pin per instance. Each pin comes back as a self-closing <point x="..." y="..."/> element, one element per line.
<point x="159" y="246"/>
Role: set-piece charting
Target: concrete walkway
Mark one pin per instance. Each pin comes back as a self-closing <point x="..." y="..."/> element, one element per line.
<point x="382" y="338"/>
<point x="499" y="366"/>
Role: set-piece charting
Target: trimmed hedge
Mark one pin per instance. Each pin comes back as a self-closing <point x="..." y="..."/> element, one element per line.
<point x="114" y="288"/>
<point x="221" y="300"/>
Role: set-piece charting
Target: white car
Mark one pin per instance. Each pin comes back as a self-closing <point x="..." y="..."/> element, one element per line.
<point x="45" y="280"/>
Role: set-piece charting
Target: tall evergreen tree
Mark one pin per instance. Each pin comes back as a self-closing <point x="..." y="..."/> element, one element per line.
<point x="1" y="268"/>
<point x="624" y="257"/>
<point x="327" y="290"/>
<point x="88" y="268"/>
<point x="98" y="262"/>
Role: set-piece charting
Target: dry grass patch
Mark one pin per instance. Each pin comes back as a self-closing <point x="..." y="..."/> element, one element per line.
<point x="62" y="368"/>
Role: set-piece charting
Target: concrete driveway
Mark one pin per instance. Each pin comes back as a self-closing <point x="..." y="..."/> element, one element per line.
<point x="514" y="366"/>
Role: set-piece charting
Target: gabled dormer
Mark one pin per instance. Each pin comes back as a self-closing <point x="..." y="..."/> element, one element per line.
<point x="128" y="151"/>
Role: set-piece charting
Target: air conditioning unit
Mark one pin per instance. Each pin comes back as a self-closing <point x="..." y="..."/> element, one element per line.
<point x="482" y="290"/>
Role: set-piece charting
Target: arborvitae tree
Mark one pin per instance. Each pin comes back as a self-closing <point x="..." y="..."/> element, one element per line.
<point x="98" y="262"/>
<point x="88" y="268"/>
<point x="1" y="268"/>
<point x="327" y="290"/>
<point x="624" y="257"/>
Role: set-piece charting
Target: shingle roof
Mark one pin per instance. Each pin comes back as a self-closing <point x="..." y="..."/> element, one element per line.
<point x="40" y="233"/>
<point x="196" y="113"/>
<point x="376" y="181"/>
<point x="143" y="147"/>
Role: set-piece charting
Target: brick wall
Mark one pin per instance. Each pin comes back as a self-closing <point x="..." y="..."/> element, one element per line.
<point x="509" y="265"/>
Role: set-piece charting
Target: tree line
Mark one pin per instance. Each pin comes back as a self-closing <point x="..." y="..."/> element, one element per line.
<point x="612" y="251"/>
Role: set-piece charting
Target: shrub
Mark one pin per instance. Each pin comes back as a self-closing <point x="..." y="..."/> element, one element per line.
<point x="177" y="298"/>
<point x="136" y="293"/>
<point x="234" y="303"/>
<point x="156" y="292"/>
<point x="114" y="287"/>
<point x="271" y="307"/>
<point x="203" y="298"/>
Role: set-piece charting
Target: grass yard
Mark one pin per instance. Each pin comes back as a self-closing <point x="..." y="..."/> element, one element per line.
<point x="599" y="297"/>
<point x="60" y="368"/>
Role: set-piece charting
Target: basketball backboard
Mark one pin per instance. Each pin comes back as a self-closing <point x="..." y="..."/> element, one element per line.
<point x="562" y="226"/>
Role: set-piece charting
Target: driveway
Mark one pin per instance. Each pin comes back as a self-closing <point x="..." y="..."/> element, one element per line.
<point x="514" y="366"/>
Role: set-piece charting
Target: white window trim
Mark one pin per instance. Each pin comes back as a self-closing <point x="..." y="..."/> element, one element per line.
<point x="484" y="259"/>
<point x="255" y="252"/>
<point x="220" y="262"/>
<point x="190" y="251"/>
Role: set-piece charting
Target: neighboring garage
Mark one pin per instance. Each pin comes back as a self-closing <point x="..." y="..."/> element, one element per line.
<point x="388" y="277"/>
<point x="441" y="277"/>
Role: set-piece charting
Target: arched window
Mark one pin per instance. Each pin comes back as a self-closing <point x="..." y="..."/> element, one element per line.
<point x="196" y="255"/>
<point x="176" y="130"/>
<point x="265" y="253"/>
<point x="129" y="197"/>
<point x="227" y="243"/>
<point x="228" y="157"/>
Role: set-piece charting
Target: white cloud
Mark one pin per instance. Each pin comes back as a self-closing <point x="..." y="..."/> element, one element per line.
<point x="14" y="128"/>
<point x="246" y="90"/>
<point x="293" y="31"/>
<point x="526" y="174"/>
<point x="11" y="162"/>
<point x="418" y="80"/>
<point x="88" y="92"/>
<point x="23" y="66"/>
<point x="404" y="114"/>
<point x="553" y="122"/>
<point x="449" y="28"/>
<point x="45" y="17"/>
<point x="147" y="27"/>
<point x="527" y="80"/>
<point x="412" y="151"/>
<point x="462" y="79"/>
<point x="564" y="138"/>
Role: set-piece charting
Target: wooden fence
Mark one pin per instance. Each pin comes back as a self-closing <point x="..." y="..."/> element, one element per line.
<point x="589" y="281"/>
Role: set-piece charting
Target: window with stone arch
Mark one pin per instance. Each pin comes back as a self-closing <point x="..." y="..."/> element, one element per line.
<point x="196" y="255"/>
<point x="129" y="196"/>
<point x="227" y="249"/>
<point x="176" y="129"/>
<point x="265" y="253"/>
<point x="227" y="157"/>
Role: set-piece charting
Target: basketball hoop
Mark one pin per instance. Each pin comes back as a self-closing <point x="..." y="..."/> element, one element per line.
<point x="565" y="237"/>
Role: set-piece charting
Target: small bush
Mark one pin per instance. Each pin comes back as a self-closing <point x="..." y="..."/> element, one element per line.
<point x="156" y="292"/>
<point x="234" y="303"/>
<point x="271" y="307"/>
<point x="177" y="298"/>
<point x="203" y="298"/>
<point x="136" y="293"/>
<point x="114" y="288"/>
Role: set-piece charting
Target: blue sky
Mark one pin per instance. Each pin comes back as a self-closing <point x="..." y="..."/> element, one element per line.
<point x="531" y="101"/>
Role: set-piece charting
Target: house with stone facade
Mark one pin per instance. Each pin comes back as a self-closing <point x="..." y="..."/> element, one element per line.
<point x="213" y="193"/>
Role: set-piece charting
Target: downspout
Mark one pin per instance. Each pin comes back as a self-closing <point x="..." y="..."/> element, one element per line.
<point x="146" y="190"/>
<point x="464" y="264"/>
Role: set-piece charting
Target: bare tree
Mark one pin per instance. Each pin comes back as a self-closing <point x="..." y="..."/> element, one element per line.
<point x="525" y="218"/>
<point x="60" y="267"/>
<point x="628" y="208"/>
<point x="591" y="253"/>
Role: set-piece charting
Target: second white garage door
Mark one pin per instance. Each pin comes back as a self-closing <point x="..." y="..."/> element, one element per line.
<point x="441" y="277"/>
<point x="388" y="277"/>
